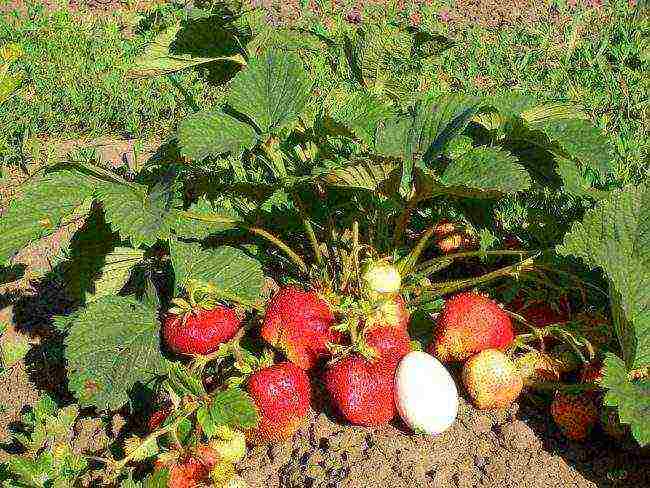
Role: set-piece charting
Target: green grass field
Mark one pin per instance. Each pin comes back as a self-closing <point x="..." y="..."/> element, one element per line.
<point x="75" y="65"/>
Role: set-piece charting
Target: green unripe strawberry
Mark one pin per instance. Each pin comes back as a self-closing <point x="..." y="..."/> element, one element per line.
<point x="230" y="445"/>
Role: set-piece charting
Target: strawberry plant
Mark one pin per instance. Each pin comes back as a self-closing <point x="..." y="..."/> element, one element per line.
<point x="301" y="211"/>
<point x="613" y="236"/>
<point x="44" y="435"/>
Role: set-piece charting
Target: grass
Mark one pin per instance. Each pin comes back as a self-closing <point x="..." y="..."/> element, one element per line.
<point x="594" y="63"/>
<point x="76" y="63"/>
<point x="76" y="67"/>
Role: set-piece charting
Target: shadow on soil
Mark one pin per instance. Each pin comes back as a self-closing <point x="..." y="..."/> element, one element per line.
<point x="604" y="461"/>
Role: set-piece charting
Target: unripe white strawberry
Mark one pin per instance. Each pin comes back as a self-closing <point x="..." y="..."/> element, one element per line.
<point x="381" y="279"/>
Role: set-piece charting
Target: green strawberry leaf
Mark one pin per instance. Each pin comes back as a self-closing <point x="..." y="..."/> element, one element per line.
<point x="361" y="113"/>
<point x="234" y="408"/>
<point x="559" y="127"/>
<point x="574" y="181"/>
<point x="435" y="121"/>
<point x="165" y="53"/>
<point x="614" y="236"/>
<point x="365" y="175"/>
<point x="96" y="267"/>
<point x="486" y="169"/>
<point x="390" y="137"/>
<point x="46" y="202"/>
<point x="111" y="345"/>
<point x="272" y="91"/>
<point x="158" y="479"/>
<point x="234" y="275"/>
<point x="184" y="383"/>
<point x="632" y="398"/>
<point x="214" y="133"/>
<point x="192" y="228"/>
<point x="142" y="215"/>
<point x="207" y="423"/>
<point x="580" y="140"/>
<point x="116" y="272"/>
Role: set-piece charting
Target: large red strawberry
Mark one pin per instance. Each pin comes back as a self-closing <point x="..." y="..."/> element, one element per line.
<point x="575" y="415"/>
<point x="470" y="323"/>
<point x="282" y="394"/>
<point x="389" y="344"/>
<point x="300" y="324"/>
<point x="200" y="331"/>
<point x="361" y="391"/>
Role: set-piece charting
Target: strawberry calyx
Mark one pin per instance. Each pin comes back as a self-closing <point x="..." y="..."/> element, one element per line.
<point x="200" y="296"/>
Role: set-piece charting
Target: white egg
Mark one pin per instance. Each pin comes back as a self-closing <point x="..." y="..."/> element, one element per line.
<point x="425" y="393"/>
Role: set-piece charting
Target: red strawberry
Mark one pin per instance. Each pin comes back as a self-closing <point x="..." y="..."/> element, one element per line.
<point x="575" y="415"/>
<point x="457" y="241"/>
<point x="391" y="344"/>
<point x="592" y="373"/>
<point x="282" y="394"/>
<point x="451" y="237"/>
<point x="492" y="380"/>
<point x="511" y="241"/>
<point x="200" y="331"/>
<point x="299" y="323"/>
<point x="443" y="228"/>
<point x="188" y="469"/>
<point x="157" y="418"/>
<point x="361" y="391"/>
<point x="470" y="323"/>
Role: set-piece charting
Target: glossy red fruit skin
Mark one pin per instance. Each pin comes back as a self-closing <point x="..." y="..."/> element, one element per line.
<point x="468" y="324"/>
<point x="361" y="391"/>
<point x="282" y="394"/>
<point x="157" y="418"/>
<point x="390" y="343"/>
<point x="201" y="331"/>
<point x="299" y="323"/>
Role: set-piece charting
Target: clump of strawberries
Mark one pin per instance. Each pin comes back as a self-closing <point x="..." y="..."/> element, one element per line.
<point x="353" y="345"/>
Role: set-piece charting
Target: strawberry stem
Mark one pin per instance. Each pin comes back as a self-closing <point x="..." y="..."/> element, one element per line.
<point x="217" y="218"/>
<point x="309" y="229"/>
<point x="117" y="466"/>
<point x="447" y="287"/>
<point x="467" y="254"/>
<point x="406" y="265"/>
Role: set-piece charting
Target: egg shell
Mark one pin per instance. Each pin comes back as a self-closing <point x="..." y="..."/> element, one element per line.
<point x="426" y="396"/>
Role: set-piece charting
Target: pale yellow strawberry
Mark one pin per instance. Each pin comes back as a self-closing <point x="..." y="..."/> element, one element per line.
<point x="492" y="380"/>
